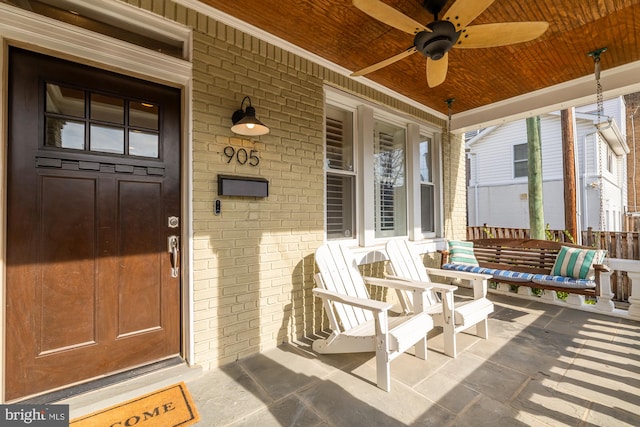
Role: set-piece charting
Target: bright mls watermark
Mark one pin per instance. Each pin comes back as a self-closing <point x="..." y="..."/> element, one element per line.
<point x="34" y="415"/>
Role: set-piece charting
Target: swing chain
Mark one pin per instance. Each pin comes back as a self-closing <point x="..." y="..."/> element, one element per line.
<point x="600" y="113"/>
<point x="449" y="104"/>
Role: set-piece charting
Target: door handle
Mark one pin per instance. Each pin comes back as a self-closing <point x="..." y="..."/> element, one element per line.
<point x="174" y="250"/>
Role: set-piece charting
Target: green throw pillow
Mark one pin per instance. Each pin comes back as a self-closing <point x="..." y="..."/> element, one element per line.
<point x="461" y="253"/>
<point x="574" y="262"/>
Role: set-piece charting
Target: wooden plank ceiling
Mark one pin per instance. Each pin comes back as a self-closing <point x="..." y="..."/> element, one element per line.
<point x="342" y="34"/>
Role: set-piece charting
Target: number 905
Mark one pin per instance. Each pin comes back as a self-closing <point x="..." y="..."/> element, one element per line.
<point x="241" y="156"/>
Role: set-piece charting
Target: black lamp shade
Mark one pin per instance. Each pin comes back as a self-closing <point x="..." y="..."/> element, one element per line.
<point x="246" y="123"/>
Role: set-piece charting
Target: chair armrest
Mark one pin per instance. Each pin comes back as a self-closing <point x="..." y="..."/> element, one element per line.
<point x="601" y="267"/>
<point x="446" y="295"/>
<point x="399" y="283"/>
<point x="364" y="303"/>
<point x="477" y="280"/>
<point x="434" y="286"/>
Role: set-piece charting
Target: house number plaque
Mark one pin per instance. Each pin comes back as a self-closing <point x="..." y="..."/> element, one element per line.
<point x="242" y="156"/>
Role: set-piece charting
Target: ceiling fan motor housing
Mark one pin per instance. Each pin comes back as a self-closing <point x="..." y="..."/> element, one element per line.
<point x="439" y="41"/>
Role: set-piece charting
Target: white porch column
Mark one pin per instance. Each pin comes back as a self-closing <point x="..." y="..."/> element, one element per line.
<point x="604" y="302"/>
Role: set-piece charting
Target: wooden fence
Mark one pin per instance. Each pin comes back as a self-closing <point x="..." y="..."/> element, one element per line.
<point x="622" y="245"/>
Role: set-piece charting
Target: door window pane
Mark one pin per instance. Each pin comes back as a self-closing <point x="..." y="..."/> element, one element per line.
<point x="143" y="115"/>
<point x="389" y="180"/>
<point x="143" y="144"/>
<point x="64" y="100"/>
<point x="107" y="109"/>
<point x="116" y="125"/>
<point x="63" y="133"/>
<point x="107" y="139"/>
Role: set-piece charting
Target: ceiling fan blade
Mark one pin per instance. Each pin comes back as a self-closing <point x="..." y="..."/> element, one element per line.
<point x="390" y="16"/>
<point x="437" y="70"/>
<point x="500" y="34"/>
<point x="381" y="64"/>
<point x="462" y="12"/>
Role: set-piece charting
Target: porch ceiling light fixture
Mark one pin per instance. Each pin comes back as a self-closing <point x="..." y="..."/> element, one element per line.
<point x="245" y="121"/>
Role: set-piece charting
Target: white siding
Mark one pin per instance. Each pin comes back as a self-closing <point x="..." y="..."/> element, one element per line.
<point x="494" y="156"/>
<point x="496" y="198"/>
<point x="508" y="205"/>
<point x="494" y="153"/>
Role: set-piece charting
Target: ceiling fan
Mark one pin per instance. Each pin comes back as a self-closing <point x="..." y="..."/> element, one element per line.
<point x="435" y="39"/>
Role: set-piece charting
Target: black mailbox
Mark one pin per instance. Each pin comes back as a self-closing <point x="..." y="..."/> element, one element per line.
<point x="242" y="186"/>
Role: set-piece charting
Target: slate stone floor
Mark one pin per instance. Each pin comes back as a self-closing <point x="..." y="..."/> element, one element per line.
<point x="542" y="365"/>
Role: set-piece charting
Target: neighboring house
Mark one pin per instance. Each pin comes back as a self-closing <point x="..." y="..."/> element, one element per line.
<point x="122" y="249"/>
<point x="498" y="171"/>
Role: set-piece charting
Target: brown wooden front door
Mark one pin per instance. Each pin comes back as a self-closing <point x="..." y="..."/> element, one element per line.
<point x="93" y="173"/>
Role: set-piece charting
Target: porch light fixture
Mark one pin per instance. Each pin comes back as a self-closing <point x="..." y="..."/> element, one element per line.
<point x="245" y="121"/>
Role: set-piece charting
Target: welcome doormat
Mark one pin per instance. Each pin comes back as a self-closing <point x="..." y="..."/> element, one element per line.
<point x="169" y="407"/>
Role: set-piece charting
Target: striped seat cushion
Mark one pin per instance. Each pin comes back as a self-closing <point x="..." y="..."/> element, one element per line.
<point x="466" y="267"/>
<point x="563" y="282"/>
<point x="513" y="276"/>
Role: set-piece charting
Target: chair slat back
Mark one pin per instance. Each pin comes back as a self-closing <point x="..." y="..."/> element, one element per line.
<point x="406" y="262"/>
<point x="340" y="274"/>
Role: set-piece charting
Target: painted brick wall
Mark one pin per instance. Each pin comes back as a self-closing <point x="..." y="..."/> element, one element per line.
<point x="254" y="259"/>
<point x="455" y="187"/>
<point x="253" y="264"/>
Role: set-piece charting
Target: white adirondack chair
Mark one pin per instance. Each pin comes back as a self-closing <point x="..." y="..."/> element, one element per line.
<point x="360" y="324"/>
<point x="453" y="317"/>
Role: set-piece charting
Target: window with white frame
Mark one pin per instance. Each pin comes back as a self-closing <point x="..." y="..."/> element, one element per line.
<point x="390" y="207"/>
<point x="383" y="176"/>
<point x="340" y="193"/>
<point x="427" y="186"/>
<point x="520" y="160"/>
